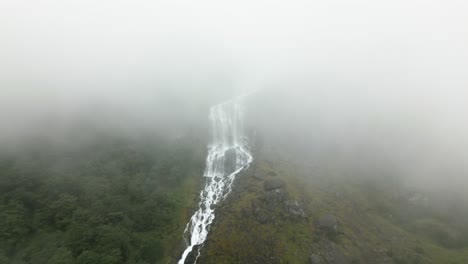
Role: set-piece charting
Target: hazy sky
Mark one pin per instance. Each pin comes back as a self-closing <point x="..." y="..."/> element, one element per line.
<point x="90" y="44"/>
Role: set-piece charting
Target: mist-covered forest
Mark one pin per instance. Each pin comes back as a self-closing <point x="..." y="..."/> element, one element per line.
<point x="125" y="198"/>
<point x="157" y="132"/>
<point x="110" y="199"/>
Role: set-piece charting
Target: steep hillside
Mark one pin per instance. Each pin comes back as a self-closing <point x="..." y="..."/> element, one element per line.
<point x="285" y="212"/>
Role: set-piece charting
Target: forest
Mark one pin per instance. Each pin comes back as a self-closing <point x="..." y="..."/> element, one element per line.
<point x="111" y="199"/>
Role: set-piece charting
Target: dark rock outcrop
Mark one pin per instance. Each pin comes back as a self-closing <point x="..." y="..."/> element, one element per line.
<point x="192" y="256"/>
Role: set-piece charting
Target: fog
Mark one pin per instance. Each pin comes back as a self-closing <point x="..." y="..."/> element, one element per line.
<point x="377" y="80"/>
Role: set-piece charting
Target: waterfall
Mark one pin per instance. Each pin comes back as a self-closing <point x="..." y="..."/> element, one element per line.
<point x="228" y="154"/>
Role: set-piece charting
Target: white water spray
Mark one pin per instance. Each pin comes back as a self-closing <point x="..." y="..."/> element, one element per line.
<point x="228" y="154"/>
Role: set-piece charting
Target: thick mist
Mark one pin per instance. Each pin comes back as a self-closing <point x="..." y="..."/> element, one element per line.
<point x="364" y="83"/>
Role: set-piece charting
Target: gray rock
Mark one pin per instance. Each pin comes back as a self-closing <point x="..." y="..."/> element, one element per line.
<point x="328" y="222"/>
<point x="260" y="175"/>
<point x="273" y="184"/>
<point x="315" y="259"/>
<point x="294" y="209"/>
<point x="230" y="161"/>
<point x="275" y="199"/>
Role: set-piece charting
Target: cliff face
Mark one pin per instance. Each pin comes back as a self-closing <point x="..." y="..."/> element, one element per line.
<point x="280" y="212"/>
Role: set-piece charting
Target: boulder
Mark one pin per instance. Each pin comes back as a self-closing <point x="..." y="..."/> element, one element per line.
<point x="328" y="223"/>
<point x="273" y="184"/>
<point x="260" y="175"/>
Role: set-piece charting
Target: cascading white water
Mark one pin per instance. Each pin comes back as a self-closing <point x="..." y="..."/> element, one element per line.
<point x="228" y="154"/>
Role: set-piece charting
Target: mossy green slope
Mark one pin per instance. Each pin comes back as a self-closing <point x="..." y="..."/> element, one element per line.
<point x="255" y="225"/>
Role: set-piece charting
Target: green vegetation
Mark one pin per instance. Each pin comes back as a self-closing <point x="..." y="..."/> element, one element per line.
<point x="109" y="200"/>
<point x="379" y="220"/>
<point x="119" y="200"/>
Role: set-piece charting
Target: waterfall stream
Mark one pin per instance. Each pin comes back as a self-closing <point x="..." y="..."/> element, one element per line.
<point x="228" y="154"/>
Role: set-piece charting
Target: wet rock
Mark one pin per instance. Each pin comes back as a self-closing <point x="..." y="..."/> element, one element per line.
<point x="315" y="259"/>
<point x="273" y="184"/>
<point x="192" y="256"/>
<point x="328" y="223"/>
<point x="294" y="209"/>
<point x="230" y="161"/>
